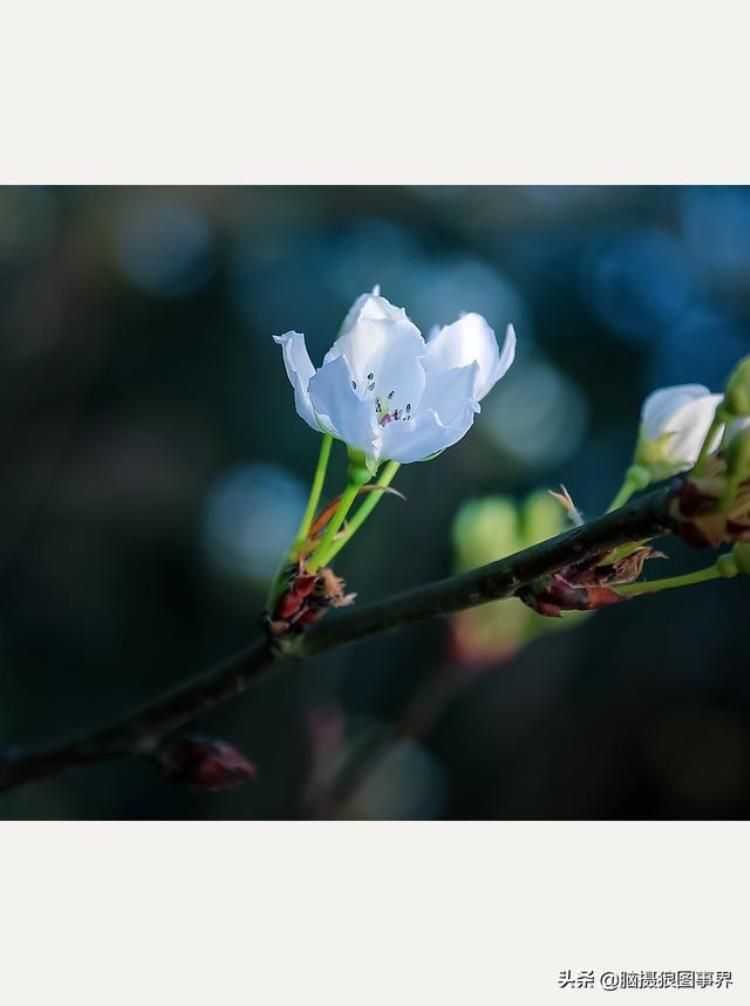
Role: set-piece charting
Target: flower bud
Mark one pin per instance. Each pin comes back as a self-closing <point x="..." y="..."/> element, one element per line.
<point x="553" y="594"/>
<point x="303" y="599"/>
<point x="737" y="393"/>
<point x="205" y="764"/>
<point x="674" y="424"/>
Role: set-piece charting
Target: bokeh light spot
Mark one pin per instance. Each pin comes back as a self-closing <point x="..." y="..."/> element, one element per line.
<point x="251" y="516"/>
<point x="164" y="247"/>
<point x="537" y="415"/>
<point x="638" y="283"/>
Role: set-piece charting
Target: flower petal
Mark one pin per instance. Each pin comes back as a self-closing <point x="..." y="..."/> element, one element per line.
<point x="371" y="306"/>
<point x="688" y="427"/>
<point x="349" y="417"/>
<point x="444" y="416"/>
<point x="507" y="353"/>
<point x="299" y="370"/>
<point x="468" y="340"/>
<point x="383" y="357"/>
<point x="661" y="405"/>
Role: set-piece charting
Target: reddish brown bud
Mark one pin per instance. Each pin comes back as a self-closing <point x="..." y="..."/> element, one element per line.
<point x="602" y="597"/>
<point x="617" y="566"/>
<point x="304" y="584"/>
<point x="554" y="594"/>
<point x="551" y="595"/>
<point x="305" y="599"/>
<point x="205" y="764"/>
<point x="711" y="511"/>
<point x="287" y="605"/>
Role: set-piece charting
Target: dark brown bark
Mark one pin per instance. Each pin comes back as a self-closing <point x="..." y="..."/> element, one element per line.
<point x="140" y="732"/>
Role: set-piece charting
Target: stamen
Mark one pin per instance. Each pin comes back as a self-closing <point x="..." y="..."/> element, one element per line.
<point x="391" y="394"/>
<point x="371" y="387"/>
<point x="370" y="377"/>
<point x="354" y="384"/>
<point x="408" y="406"/>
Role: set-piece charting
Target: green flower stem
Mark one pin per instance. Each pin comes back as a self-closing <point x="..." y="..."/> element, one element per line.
<point x="668" y="583"/>
<point x="323" y="552"/>
<point x="727" y="565"/>
<point x="636" y="478"/>
<point x="315" y="491"/>
<point x="625" y="492"/>
<point x="309" y="515"/>
<point x="373" y="498"/>
<point x="718" y="421"/>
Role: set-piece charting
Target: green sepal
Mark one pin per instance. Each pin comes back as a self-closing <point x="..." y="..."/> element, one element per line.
<point x="362" y="467"/>
<point x="651" y="459"/>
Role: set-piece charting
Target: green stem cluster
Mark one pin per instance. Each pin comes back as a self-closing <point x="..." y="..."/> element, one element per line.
<point x="308" y="517"/>
<point x="334" y="538"/>
<point x="322" y="553"/>
<point x="384" y="479"/>
<point x="315" y="491"/>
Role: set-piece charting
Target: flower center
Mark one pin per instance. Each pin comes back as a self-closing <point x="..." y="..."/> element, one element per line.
<point x="387" y="406"/>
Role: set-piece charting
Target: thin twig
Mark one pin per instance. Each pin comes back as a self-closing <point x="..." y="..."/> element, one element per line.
<point x="139" y="733"/>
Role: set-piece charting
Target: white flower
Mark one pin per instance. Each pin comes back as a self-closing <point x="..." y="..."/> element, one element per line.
<point x="674" y="424"/>
<point x="385" y="391"/>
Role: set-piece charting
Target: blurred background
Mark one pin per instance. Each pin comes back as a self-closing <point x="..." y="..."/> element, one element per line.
<point x="153" y="470"/>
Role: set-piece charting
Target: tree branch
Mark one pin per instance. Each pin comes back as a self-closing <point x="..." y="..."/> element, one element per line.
<point x="140" y="732"/>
